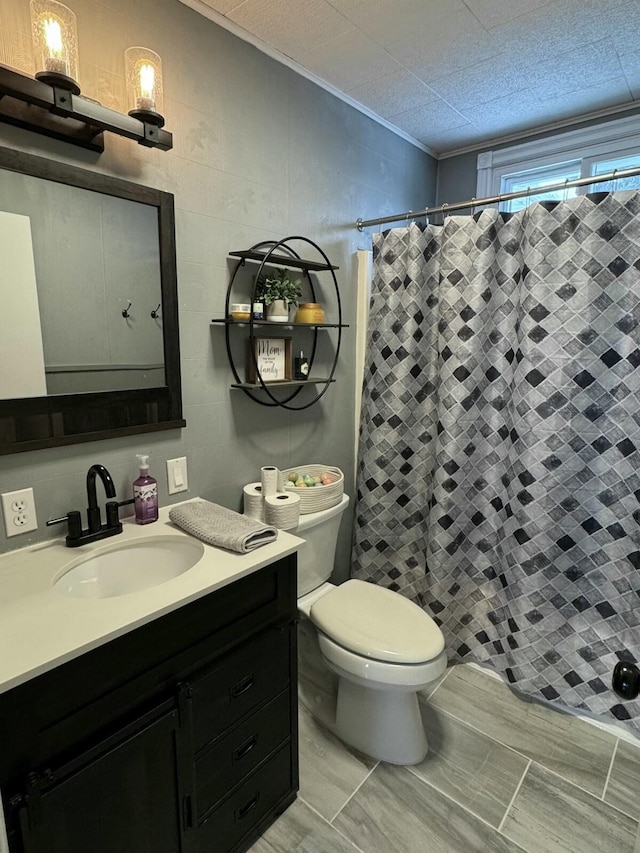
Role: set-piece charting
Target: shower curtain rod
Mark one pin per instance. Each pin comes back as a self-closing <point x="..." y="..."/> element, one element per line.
<point x="361" y="224"/>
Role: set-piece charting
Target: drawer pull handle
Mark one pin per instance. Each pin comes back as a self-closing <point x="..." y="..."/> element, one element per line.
<point x="243" y="811"/>
<point x="242" y="686"/>
<point x="187" y="813"/>
<point x="245" y="748"/>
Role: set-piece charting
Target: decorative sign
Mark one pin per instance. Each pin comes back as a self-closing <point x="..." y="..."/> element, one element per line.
<point x="272" y="359"/>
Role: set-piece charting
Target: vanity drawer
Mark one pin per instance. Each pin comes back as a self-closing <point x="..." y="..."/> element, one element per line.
<point x="240" y="814"/>
<point x="240" y="682"/>
<point x="237" y="754"/>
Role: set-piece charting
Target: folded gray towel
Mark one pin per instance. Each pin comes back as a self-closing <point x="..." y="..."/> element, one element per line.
<point x="222" y="527"/>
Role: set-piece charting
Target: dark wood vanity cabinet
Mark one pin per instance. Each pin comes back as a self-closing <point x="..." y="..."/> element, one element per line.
<point x="122" y="795"/>
<point x="178" y="737"/>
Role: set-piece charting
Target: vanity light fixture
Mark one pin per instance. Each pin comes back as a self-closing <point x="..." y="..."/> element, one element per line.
<point x="55" y="44"/>
<point x="143" y="70"/>
<point x="52" y="104"/>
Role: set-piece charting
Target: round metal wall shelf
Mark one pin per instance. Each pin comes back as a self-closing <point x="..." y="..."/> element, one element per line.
<point x="281" y="253"/>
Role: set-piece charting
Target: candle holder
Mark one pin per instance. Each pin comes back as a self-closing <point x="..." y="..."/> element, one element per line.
<point x="143" y="70"/>
<point x="55" y="43"/>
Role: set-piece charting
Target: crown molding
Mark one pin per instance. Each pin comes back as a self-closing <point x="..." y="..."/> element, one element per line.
<point x="534" y="131"/>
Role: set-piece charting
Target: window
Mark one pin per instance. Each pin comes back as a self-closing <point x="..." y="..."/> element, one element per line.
<point x="597" y="150"/>
<point x="603" y="167"/>
<point x="532" y="179"/>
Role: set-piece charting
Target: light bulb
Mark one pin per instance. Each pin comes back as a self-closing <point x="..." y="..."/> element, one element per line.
<point x="147" y="87"/>
<point x="55" y="43"/>
<point x="143" y="70"/>
<point x="53" y="37"/>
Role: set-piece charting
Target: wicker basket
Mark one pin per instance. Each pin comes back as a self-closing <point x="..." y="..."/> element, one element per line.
<point x="319" y="497"/>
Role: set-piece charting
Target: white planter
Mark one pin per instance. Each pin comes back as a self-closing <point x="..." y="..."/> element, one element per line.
<point x="278" y="311"/>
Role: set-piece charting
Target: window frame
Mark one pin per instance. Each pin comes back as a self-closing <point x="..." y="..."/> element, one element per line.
<point x="609" y="140"/>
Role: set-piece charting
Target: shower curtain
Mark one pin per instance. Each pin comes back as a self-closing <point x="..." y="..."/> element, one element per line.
<point x="498" y="471"/>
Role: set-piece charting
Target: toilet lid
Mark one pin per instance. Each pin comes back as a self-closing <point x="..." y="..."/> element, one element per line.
<point x="377" y="623"/>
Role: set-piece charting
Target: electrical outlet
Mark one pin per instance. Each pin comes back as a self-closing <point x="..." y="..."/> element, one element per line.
<point x="19" y="509"/>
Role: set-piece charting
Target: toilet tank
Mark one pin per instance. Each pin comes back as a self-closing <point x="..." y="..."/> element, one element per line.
<point x="316" y="557"/>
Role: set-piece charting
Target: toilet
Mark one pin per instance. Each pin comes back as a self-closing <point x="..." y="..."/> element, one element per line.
<point x="364" y="651"/>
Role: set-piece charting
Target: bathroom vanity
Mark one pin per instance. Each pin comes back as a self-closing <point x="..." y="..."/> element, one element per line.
<point x="163" y="720"/>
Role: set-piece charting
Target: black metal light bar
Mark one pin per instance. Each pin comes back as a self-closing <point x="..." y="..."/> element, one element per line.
<point x="58" y="113"/>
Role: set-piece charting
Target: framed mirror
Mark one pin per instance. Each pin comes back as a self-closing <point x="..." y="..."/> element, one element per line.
<point x="89" y="344"/>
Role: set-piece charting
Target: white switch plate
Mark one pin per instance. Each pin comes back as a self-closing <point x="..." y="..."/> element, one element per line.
<point x="177" y="479"/>
<point x="19" y="510"/>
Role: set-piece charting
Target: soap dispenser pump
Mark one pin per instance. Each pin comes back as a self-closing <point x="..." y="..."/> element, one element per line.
<point x="145" y="493"/>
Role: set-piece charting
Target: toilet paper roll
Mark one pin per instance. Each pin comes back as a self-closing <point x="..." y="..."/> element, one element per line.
<point x="269" y="480"/>
<point x="282" y="510"/>
<point x="253" y="502"/>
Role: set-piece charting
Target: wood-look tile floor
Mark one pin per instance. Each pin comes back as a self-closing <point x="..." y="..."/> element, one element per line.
<point x="503" y="775"/>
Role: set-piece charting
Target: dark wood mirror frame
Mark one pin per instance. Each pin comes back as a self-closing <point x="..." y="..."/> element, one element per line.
<point x="33" y="423"/>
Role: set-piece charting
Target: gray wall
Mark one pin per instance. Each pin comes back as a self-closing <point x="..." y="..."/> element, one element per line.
<point x="260" y="153"/>
<point x="457" y="176"/>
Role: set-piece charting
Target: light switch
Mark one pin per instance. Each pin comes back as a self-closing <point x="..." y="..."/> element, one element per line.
<point x="177" y="480"/>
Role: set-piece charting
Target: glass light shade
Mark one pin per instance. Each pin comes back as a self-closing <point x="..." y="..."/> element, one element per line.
<point x="143" y="69"/>
<point x="55" y="40"/>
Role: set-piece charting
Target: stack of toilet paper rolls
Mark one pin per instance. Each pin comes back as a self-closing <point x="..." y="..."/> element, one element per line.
<point x="268" y="501"/>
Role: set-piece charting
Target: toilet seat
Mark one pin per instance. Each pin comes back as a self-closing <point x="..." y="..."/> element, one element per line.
<point x="377" y="624"/>
<point x="380" y="674"/>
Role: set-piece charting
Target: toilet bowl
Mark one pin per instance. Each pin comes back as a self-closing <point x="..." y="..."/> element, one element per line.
<point x="377" y="650"/>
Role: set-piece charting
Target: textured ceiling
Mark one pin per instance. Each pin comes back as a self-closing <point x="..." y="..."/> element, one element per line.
<point x="452" y="74"/>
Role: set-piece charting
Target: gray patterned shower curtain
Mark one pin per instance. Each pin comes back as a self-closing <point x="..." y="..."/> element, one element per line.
<point x="499" y="469"/>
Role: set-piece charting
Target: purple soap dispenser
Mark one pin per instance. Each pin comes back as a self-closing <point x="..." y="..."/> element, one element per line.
<point x="145" y="493"/>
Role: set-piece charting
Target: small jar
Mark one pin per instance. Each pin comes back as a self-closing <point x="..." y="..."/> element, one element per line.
<point x="310" y="312"/>
<point x="301" y="367"/>
<point x="240" y="311"/>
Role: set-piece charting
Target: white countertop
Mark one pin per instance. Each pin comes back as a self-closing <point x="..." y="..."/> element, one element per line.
<point x="41" y="629"/>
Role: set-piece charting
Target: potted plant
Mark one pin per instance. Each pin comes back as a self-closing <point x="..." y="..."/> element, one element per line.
<point x="279" y="292"/>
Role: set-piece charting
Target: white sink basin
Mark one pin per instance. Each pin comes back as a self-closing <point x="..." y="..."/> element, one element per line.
<point x="131" y="567"/>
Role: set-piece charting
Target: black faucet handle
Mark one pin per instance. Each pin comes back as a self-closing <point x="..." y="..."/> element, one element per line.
<point x="74" y="521"/>
<point x="112" y="513"/>
<point x="112" y="507"/>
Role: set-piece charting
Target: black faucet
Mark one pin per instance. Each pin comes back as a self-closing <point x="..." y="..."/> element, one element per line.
<point x="96" y="530"/>
<point x="93" y="510"/>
